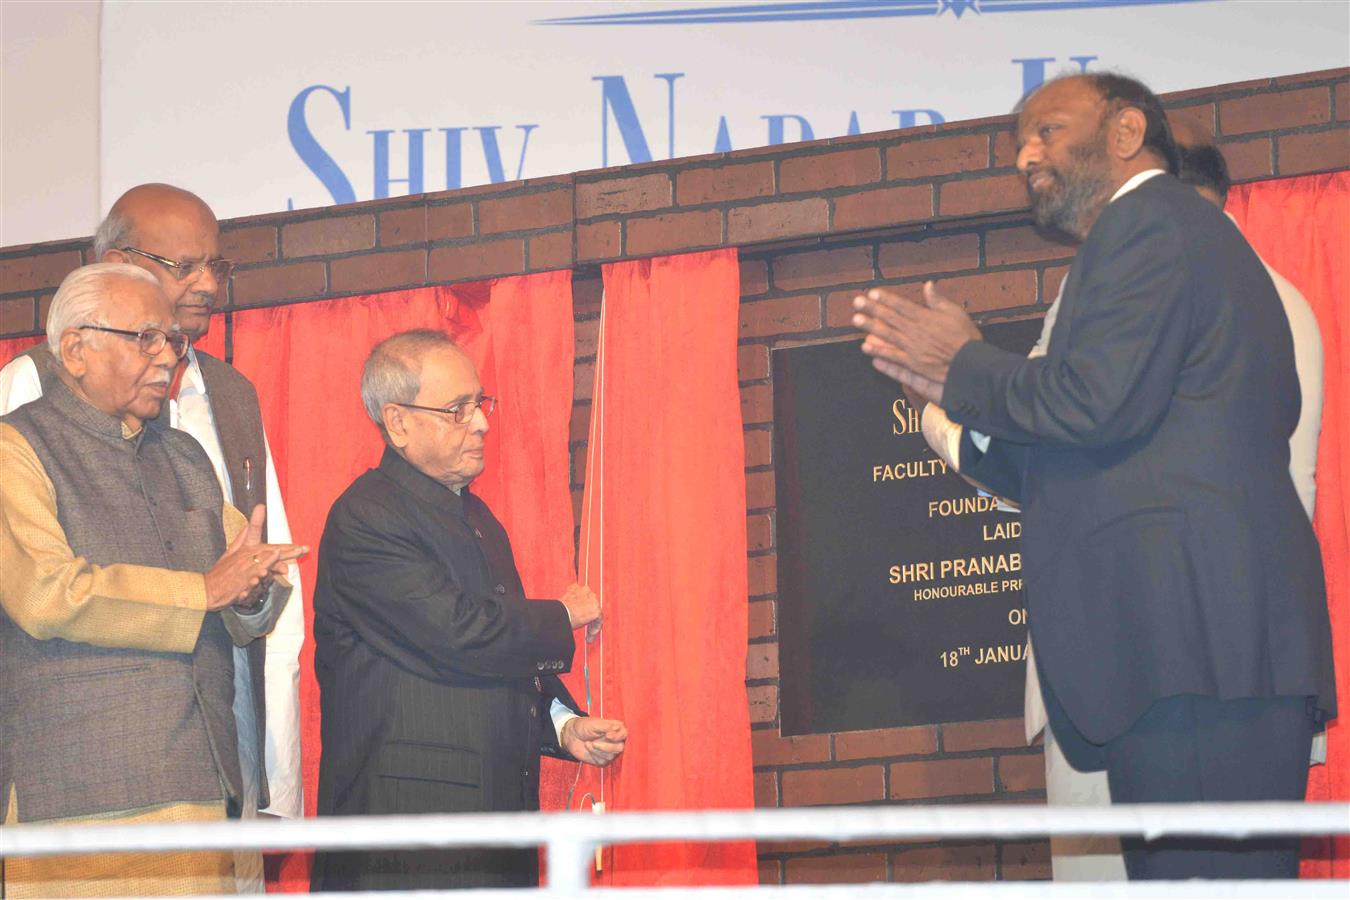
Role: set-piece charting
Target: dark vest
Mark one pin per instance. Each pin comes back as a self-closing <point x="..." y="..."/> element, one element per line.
<point x="234" y="405"/>
<point x="238" y="417"/>
<point x="91" y="729"/>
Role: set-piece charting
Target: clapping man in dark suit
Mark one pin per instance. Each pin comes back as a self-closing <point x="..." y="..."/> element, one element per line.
<point x="439" y="679"/>
<point x="1174" y="584"/>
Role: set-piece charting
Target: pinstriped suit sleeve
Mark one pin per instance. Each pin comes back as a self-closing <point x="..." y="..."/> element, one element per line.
<point x="50" y="592"/>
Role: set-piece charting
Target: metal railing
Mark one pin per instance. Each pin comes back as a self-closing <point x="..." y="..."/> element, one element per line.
<point x="572" y="838"/>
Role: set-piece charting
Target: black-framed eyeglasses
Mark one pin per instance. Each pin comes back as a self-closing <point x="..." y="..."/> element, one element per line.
<point x="183" y="270"/>
<point x="150" y="340"/>
<point x="462" y="413"/>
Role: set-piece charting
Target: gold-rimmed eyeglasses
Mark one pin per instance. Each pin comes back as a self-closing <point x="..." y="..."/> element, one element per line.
<point x="184" y="269"/>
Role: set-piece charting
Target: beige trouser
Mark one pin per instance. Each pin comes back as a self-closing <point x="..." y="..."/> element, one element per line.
<point x="123" y="874"/>
<point x="1092" y="858"/>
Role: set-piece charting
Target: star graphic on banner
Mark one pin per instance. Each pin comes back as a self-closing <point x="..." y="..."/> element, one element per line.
<point x="958" y="7"/>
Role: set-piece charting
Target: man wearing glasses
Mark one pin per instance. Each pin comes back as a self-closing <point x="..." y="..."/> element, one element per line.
<point x="127" y="583"/>
<point x="438" y="678"/>
<point x="171" y="234"/>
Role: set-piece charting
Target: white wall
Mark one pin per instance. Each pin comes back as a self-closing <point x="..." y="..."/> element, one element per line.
<point x="267" y="106"/>
<point x="49" y="120"/>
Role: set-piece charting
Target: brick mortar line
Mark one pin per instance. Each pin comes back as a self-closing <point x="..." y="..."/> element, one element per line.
<point x="863" y="762"/>
<point x="787" y="293"/>
<point x="1276" y="133"/>
<point x="27" y="251"/>
<point x="26" y="295"/>
<point x="830" y="193"/>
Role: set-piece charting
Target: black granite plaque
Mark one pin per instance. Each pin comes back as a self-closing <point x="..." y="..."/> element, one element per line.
<point x="899" y="584"/>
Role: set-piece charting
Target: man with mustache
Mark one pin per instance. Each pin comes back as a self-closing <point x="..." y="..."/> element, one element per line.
<point x="1173" y="582"/>
<point x="173" y="235"/>
<point x="438" y="678"/>
<point x="127" y="583"/>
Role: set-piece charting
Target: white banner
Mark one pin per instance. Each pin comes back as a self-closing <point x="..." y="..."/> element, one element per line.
<point x="267" y="106"/>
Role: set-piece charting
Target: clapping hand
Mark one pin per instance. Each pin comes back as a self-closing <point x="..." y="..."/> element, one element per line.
<point x="913" y="341"/>
<point x="246" y="562"/>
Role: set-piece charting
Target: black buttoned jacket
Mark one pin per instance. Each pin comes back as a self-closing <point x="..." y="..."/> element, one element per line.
<point x="436" y="674"/>
<point x="1164" y="546"/>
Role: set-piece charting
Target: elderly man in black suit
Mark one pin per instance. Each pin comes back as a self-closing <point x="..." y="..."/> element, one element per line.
<point x="1174" y="584"/>
<point x="439" y="679"/>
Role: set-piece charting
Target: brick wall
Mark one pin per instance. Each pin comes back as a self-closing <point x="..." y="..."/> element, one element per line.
<point x="814" y="222"/>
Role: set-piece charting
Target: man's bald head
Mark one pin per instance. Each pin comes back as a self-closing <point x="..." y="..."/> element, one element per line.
<point x="160" y="220"/>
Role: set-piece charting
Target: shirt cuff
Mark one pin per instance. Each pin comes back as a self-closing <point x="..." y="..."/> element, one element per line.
<point x="255" y="623"/>
<point x="561" y="715"/>
<point x="943" y="435"/>
<point x="980" y="440"/>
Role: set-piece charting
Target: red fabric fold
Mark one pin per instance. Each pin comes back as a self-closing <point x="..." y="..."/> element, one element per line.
<point x="1299" y="226"/>
<point x="663" y="542"/>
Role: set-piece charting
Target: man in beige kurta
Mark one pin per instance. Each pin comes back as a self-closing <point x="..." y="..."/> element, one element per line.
<point x="127" y="582"/>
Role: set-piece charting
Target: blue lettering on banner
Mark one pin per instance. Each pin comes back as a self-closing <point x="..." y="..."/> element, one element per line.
<point x="616" y="103"/>
<point x="1033" y="70"/>
<point x="339" y="186"/>
<point x="722" y="143"/>
<point x="382" y="177"/>
<point x="324" y="167"/>
<point x="910" y="117"/>
<point x="614" y="97"/>
<point x="840" y="10"/>
<point x="454" y="157"/>
<point x="776" y="128"/>
<point x="492" y="153"/>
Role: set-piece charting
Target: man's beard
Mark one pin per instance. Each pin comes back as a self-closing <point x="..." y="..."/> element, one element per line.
<point x="1077" y="192"/>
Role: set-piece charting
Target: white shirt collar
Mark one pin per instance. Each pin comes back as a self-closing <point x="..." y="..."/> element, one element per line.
<point x="192" y="375"/>
<point x="1134" y="182"/>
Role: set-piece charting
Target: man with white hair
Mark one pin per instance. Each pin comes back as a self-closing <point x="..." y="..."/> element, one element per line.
<point x="438" y="678"/>
<point x="128" y="580"/>
<point x="172" y="235"/>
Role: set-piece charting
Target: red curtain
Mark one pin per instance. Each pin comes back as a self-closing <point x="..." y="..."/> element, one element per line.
<point x="12" y="347"/>
<point x="1301" y="226"/>
<point x="306" y="363"/>
<point x="663" y="542"/>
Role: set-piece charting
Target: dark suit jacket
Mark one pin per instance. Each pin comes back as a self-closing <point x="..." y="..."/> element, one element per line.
<point x="1165" y="550"/>
<point x="436" y="674"/>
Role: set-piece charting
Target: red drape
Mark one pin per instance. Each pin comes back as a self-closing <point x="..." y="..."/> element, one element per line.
<point x="663" y="542"/>
<point x="12" y="347"/>
<point x="213" y="341"/>
<point x="306" y="363"/>
<point x="1301" y="226"/>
